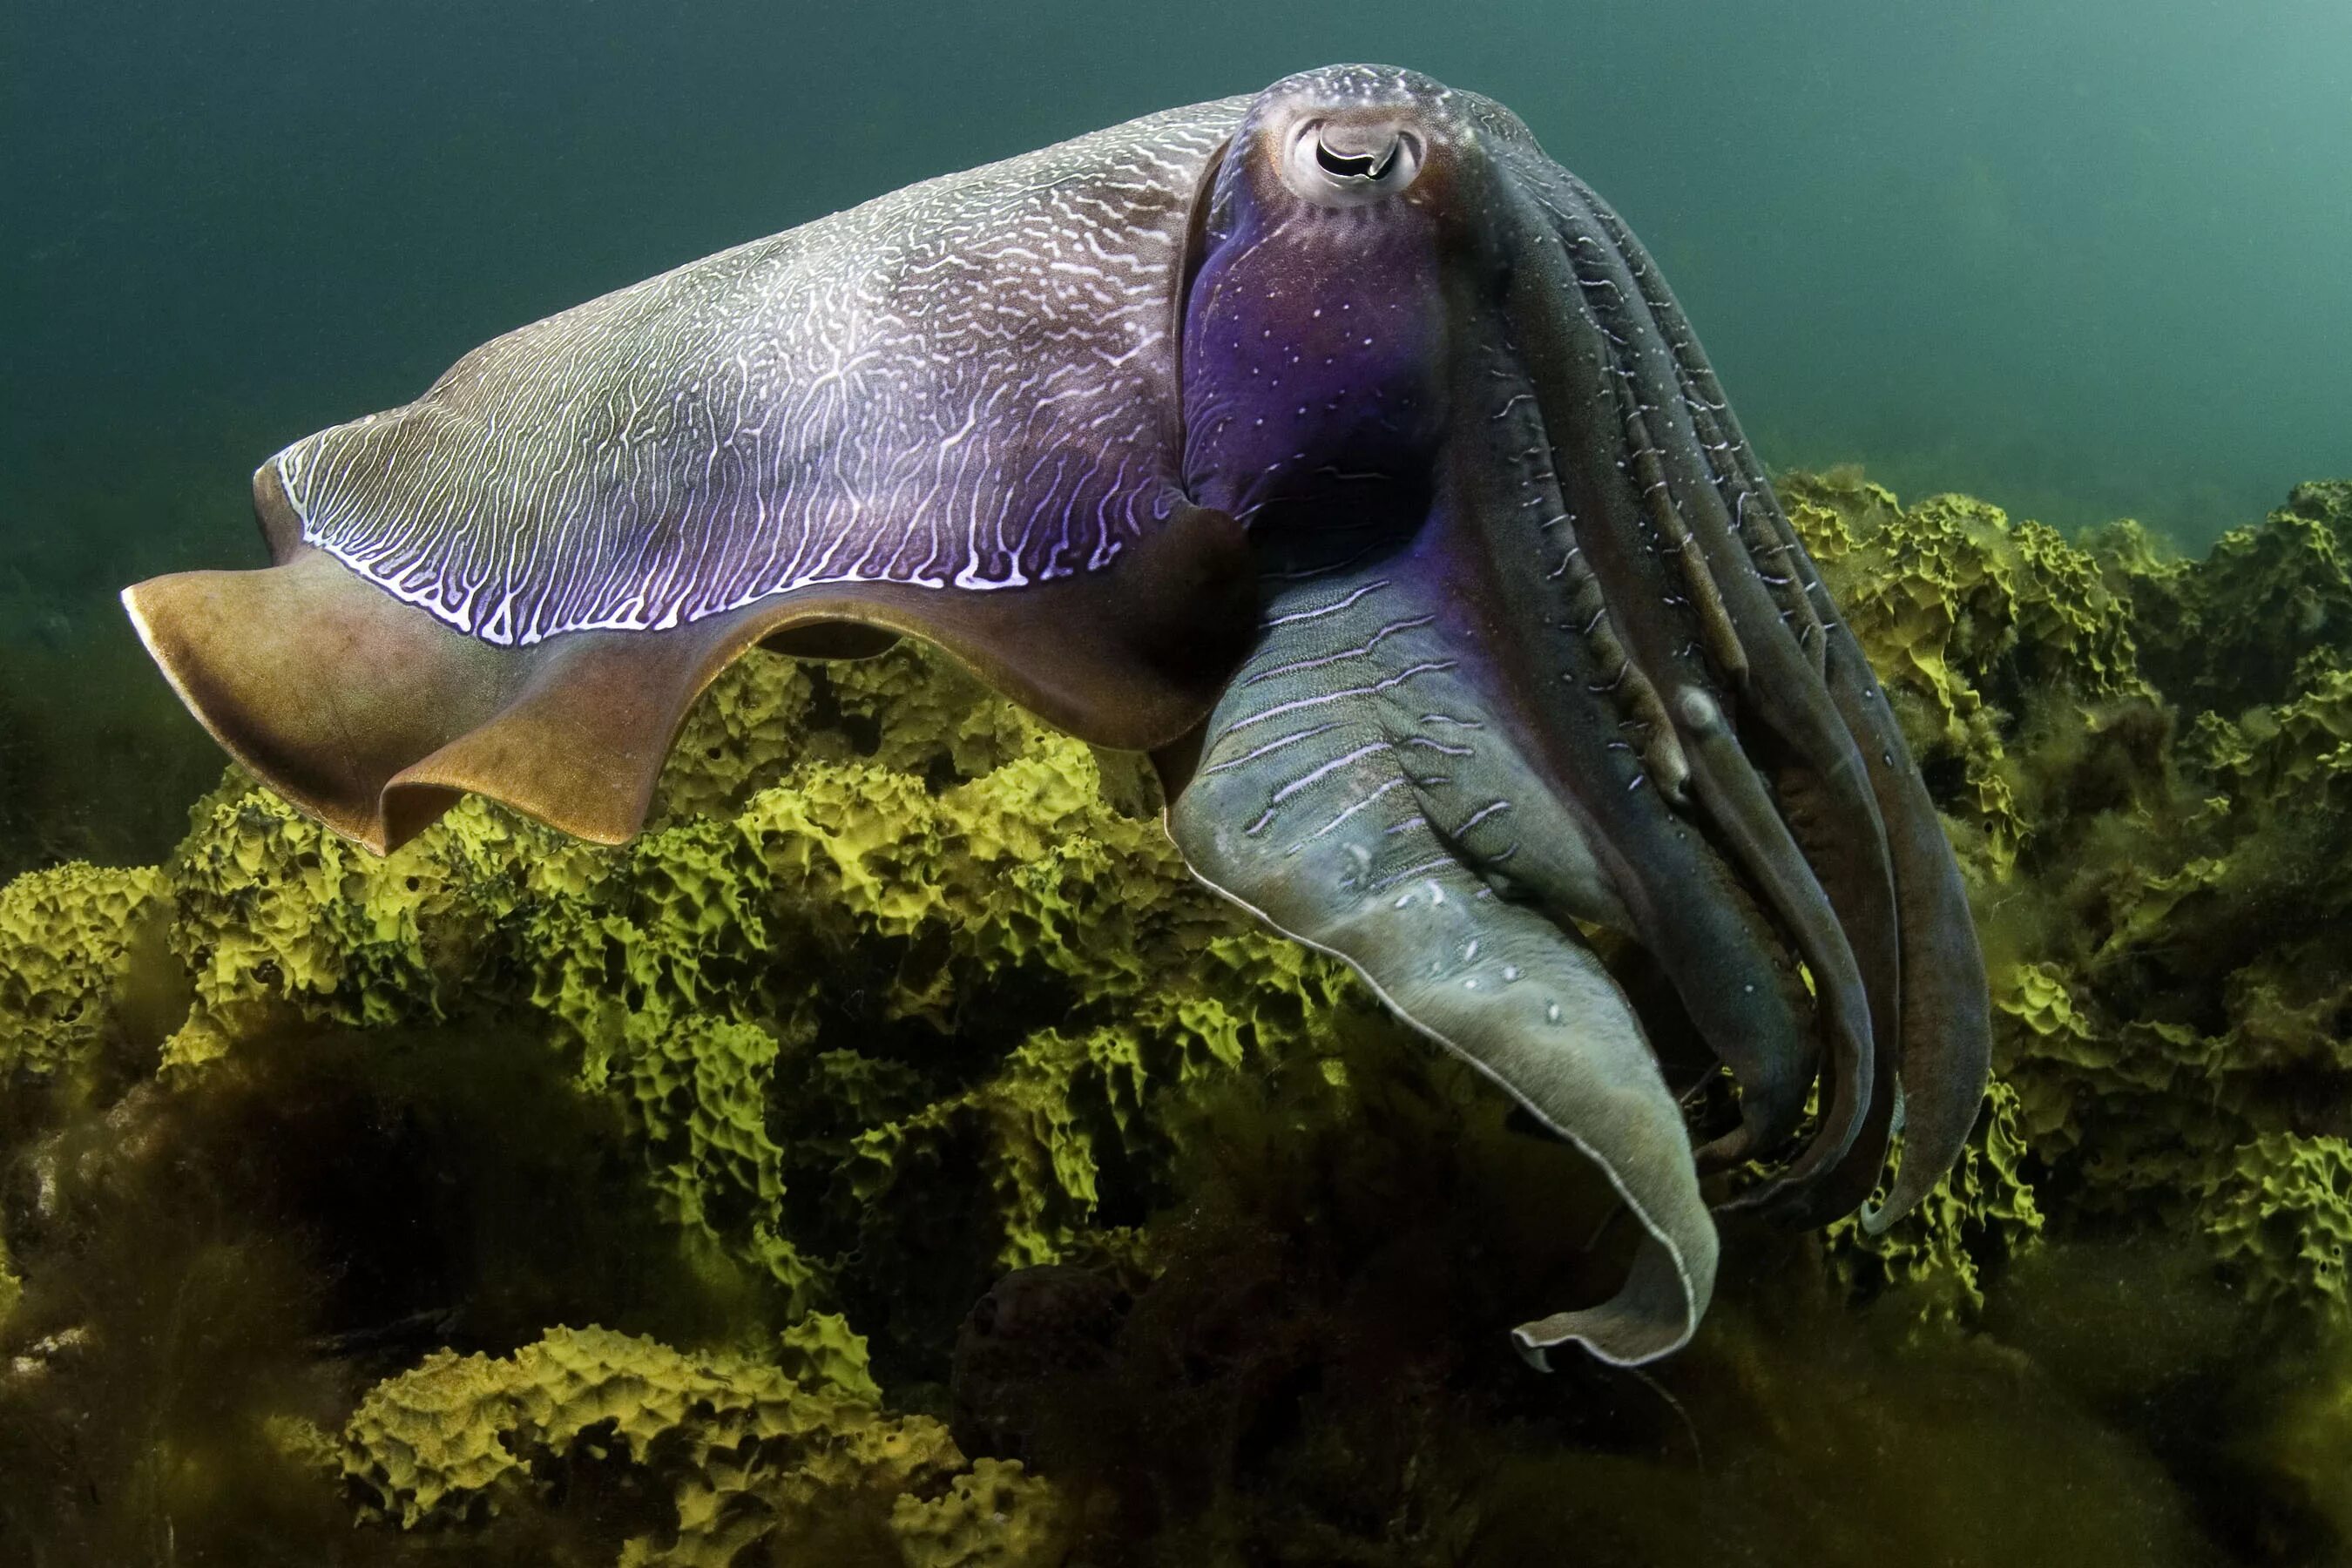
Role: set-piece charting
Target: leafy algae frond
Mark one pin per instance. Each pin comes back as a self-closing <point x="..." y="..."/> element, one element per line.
<point x="2232" y="631"/>
<point x="69" y="946"/>
<point x="744" y="1452"/>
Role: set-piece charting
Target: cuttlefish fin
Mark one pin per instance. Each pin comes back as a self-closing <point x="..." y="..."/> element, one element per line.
<point x="373" y="716"/>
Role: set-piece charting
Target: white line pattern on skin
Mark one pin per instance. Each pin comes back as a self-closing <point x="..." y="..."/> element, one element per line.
<point x="1426" y="667"/>
<point x="832" y="404"/>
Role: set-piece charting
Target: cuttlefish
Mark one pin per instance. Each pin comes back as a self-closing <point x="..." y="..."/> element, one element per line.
<point x="1333" y="445"/>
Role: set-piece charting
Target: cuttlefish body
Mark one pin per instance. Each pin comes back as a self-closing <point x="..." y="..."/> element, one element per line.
<point x="1334" y="445"/>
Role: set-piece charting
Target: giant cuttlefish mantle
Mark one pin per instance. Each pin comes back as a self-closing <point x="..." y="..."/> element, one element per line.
<point x="1335" y="445"/>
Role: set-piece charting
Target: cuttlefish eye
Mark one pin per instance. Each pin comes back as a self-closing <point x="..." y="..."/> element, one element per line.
<point x="1345" y="165"/>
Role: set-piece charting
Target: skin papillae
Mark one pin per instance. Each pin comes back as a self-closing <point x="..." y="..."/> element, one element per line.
<point x="1335" y="445"/>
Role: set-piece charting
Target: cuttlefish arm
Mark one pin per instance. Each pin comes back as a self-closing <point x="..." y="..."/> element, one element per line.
<point x="1838" y="766"/>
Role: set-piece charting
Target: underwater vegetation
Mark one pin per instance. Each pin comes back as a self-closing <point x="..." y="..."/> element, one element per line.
<point x="895" y="1157"/>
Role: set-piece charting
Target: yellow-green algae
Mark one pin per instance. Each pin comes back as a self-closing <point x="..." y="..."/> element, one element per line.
<point x="69" y="940"/>
<point x="901" y="991"/>
<point x="746" y="1453"/>
<point x="726" y="979"/>
<point x="2231" y="630"/>
<point x="2166" y="892"/>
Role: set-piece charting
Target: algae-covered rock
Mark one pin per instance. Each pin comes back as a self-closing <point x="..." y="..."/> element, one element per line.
<point x="71" y="940"/>
<point x="893" y="972"/>
<point x="2231" y="630"/>
<point x="2165" y="892"/>
<point x="1980" y="627"/>
<point x="992" y="1516"/>
<point x="278" y="921"/>
<point x="1980" y="1216"/>
<point x="2279" y="1212"/>
<point x="746" y="1454"/>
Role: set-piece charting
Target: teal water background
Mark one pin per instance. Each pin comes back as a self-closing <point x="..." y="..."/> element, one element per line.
<point x="2086" y="257"/>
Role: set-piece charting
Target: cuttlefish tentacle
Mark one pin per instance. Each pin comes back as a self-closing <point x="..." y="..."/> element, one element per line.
<point x="1817" y="765"/>
<point x="1771" y="543"/>
<point x="1947" y="1026"/>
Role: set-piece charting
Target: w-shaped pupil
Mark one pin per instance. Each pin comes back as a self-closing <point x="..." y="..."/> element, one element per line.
<point x="1347" y="167"/>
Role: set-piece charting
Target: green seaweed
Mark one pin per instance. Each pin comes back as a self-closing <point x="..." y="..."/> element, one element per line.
<point x="2166" y="893"/>
<point x="70" y="945"/>
<point x="740" y="1452"/>
<point x="906" y="929"/>
<point x="2232" y="631"/>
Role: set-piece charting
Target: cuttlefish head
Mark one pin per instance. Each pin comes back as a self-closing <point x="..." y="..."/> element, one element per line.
<point x="1538" y="655"/>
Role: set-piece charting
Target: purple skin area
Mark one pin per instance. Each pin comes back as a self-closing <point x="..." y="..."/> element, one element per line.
<point x="1313" y="340"/>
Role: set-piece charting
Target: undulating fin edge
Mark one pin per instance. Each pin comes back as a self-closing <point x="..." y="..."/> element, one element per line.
<point x="374" y="716"/>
